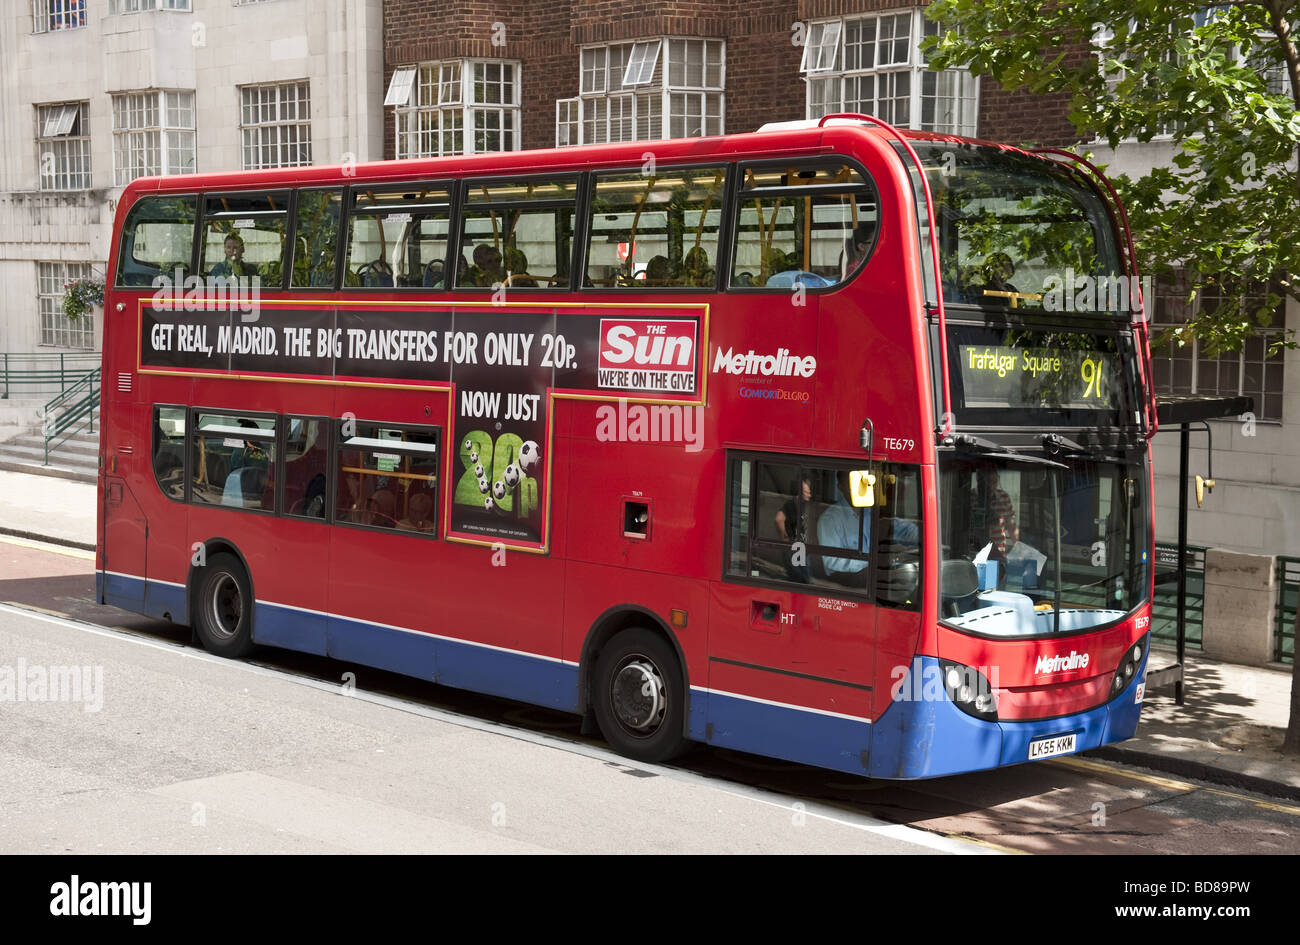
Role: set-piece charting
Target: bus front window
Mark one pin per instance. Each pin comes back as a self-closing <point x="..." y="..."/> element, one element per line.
<point x="1041" y="547"/>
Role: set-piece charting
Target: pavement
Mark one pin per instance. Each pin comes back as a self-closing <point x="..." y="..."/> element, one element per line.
<point x="1228" y="731"/>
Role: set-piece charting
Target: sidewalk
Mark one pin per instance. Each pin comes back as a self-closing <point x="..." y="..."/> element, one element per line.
<point x="48" y="509"/>
<point x="1228" y="732"/>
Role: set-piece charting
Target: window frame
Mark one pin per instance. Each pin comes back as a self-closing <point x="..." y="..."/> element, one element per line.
<point x="465" y="104"/>
<point x="64" y="272"/>
<point x="914" y="65"/>
<point x="340" y="239"/>
<point x="47" y="144"/>
<point x="44" y="15"/>
<point x="279" y="126"/>
<point x="282" y="462"/>
<point x="866" y="595"/>
<point x="732" y="223"/>
<point x="185" y="454"/>
<point x="449" y="184"/>
<point x="191" y="444"/>
<point x="164" y="131"/>
<point x="463" y="207"/>
<point x="723" y="256"/>
<point x="201" y="230"/>
<point x="339" y="443"/>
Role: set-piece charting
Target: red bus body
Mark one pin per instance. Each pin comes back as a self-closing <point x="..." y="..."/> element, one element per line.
<point x="812" y="676"/>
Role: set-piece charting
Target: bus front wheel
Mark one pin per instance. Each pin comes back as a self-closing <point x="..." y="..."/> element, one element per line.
<point x="223" y="607"/>
<point x="640" y="699"/>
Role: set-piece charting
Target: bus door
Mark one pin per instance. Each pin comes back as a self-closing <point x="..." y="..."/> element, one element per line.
<point x="793" y="622"/>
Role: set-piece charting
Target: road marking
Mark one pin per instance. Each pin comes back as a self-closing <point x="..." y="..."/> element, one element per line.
<point x="1100" y="768"/>
<point x="43" y="610"/>
<point x="1170" y="784"/>
<point x="53" y="549"/>
<point x="940" y="842"/>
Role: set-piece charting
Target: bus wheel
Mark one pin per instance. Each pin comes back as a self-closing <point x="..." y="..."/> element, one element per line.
<point x="223" y="607"/>
<point x="640" y="700"/>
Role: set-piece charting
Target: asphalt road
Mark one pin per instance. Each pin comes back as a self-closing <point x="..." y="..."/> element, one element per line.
<point x="287" y="753"/>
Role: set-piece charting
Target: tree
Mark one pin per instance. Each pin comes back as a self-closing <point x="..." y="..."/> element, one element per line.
<point x="1224" y="82"/>
<point x="1228" y="207"/>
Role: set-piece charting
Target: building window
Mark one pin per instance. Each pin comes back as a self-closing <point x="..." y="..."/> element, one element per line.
<point x="654" y="88"/>
<point x="873" y="65"/>
<point x="153" y="133"/>
<point x="63" y="146"/>
<point x="57" y="328"/>
<point x="275" y="121"/>
<point x="50" y="15"/>
<point x="1187" y="369"/>
<point x="138" y="6"/>
<point x="456" y="107"/>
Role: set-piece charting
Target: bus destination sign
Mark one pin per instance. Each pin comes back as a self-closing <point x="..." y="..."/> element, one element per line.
<point x="998" y="376"/>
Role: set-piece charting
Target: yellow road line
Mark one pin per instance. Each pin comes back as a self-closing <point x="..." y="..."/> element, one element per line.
<point x="43" y="610"/>
<point x="1170" y="784"/>
<point x="1096" y="766"/>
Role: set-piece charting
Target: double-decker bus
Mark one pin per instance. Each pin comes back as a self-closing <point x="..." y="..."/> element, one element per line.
<point x="827" y="442"/>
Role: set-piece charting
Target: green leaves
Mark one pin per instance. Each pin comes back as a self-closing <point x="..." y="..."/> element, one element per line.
<point x="1226" y="209"/>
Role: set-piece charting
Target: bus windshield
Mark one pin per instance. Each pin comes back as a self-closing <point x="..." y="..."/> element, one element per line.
<point x="1020" y="233"/>
<point x="1041" y="547"/>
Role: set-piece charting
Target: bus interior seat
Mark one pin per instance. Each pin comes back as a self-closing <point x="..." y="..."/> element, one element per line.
<point x="376" y="275"/>
<point x="958" y="586"/>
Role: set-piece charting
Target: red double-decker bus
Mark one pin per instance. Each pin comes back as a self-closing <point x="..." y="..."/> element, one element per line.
<point x="827" y="442"/>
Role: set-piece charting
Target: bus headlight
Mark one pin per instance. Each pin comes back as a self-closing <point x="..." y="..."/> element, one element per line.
<point x="1128" y="666"/>
<point x="969" y="690"/>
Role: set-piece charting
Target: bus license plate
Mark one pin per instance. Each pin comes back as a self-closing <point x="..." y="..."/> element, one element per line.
<point x="1046" y="747"/>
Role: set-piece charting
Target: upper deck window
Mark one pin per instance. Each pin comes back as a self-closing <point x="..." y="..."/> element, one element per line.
<point x="398" y="238"/>
<point x="803" y="225"/>
<point x="158" y="240"/>
<point x="517" y="233"/>
<point x="244" y="237"/>
<point x="657" y="230"/>
<point x="1017" y="232"/>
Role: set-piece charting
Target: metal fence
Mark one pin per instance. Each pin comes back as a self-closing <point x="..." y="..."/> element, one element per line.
<point x="1288" y="591"/>
<point x="1164" y="605"/>
<point x="43" y="374"/>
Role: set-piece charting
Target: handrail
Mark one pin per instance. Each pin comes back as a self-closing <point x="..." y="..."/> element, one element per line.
<point x="64" y="412"/>
<point x="43" y="369"/>
<point x="946" y="429"/>
<point x="1146" y="370"/>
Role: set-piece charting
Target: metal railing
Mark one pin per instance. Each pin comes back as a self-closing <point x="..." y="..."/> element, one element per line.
<point x="39" y="373"/>
<point x="66" y="413"/>
<point x="1164" y="603"/>
<point x="1288" y="592"/>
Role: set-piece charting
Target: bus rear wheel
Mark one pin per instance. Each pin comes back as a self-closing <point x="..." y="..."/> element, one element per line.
<point x="223" y="607"/>
<point x="639" y="697"/>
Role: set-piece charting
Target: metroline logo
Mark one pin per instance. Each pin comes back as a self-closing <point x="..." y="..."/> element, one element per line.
<point x="781" y="364"/>
<point x="1057" y="664"/>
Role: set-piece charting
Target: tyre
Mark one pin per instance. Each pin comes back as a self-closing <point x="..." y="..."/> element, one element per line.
<point x="223" y="607"/>
<point x="639" y="696"/>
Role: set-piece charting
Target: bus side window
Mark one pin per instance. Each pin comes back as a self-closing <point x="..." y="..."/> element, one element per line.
<point x="812" y="226"/>
<point x="315" y="255"/>
<point x="232" y="461"/>
<point x="157" y="241"/>
<point x="398" y="238"/>
<point x="517" y="233"/>
<point x="659" y="231"/>
<point x="306" y="461"/>
<point x="244" y="237"/>
<point x="169" y="451"/>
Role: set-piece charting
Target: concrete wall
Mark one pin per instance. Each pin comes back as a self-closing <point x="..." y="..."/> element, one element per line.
<point x="336" y="45"/>
<point x="1240" y="602"/>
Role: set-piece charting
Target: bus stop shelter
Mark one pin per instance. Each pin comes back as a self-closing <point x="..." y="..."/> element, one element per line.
<point x="1185" y="412"/>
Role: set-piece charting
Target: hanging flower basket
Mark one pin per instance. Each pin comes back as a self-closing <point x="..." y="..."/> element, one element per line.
<point x="81" y="296"/>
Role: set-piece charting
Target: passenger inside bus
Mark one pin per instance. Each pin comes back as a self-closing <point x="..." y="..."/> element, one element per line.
<point x="233" y="264"/>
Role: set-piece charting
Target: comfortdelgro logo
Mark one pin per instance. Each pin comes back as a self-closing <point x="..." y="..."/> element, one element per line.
<point x="1057" y="664"/>
<point x="781" y="364"/>
<point x="772" y="393"/>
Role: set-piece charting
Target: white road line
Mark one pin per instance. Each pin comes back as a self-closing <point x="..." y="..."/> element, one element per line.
<point x="824" y="812"/>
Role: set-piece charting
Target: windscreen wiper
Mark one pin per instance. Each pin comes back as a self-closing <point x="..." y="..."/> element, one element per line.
<point x="966" y="443"/>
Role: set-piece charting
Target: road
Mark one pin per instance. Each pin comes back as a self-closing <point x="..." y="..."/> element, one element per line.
<point x="178" y="751"/>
